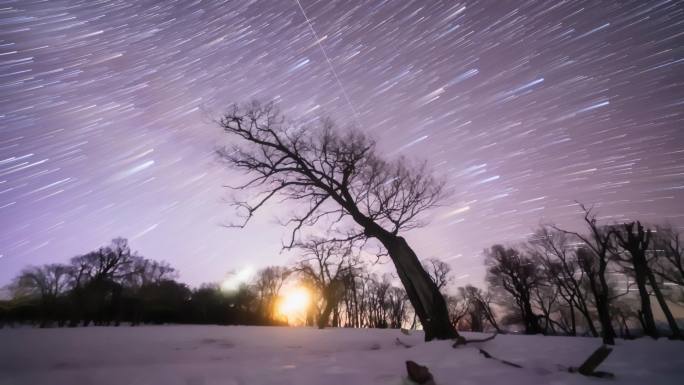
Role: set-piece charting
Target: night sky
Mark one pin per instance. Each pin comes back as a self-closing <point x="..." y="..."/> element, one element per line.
<point x="106" y="112"/>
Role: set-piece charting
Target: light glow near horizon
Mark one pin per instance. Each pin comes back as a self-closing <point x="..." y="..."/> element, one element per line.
<point x="294" y="304"/>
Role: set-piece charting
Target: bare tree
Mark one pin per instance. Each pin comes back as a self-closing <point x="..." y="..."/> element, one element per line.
<point x="633" y="238"/>
<point x="517" y="275"/>
<point x="378" y="301"/>
<point x="545" y="297"/>
<point x="667" y="250"/>
<point x="47" y="283"/>
<point x="267" y="283"/>
<point x="636" y="244"/>
<point x="478" y="307"/>
<point x="336" y="176"/>
<point x="624" y="314"/>
<point x="593" y="259"/>
<point x="397" y="301"/>
<point x="146" y="271"/>
<point x="458" y="310"/>
<point x="327" y="265"/>
<point x="99" y="275"/>
<point x="353" y="303"/>
<point x="558" y="258"/>
<point x="439" y="271"/>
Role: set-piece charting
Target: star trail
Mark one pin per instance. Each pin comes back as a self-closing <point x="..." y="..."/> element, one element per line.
<point x="107" y="108"/>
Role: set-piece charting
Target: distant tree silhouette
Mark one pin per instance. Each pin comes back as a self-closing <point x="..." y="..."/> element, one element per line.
<point x="479" y="308"/>
<point x="163" y="301"/>
<point x="327" y="266"/>
<point x="553" y="250"/>
<point x="98" y="282"/>
<point x="518" y="276"/>
<point x="397" y="300"/>
<point x="114" y="284"/>
<point x="635" y="240"/>
<point x="439" y="271"/>
<point x="337" y="176"/>
<point x="636" y="243"/>
<point x="667" y="250"/>
<point x="47" y="283"/>
<point x="593" y="258"/>
<point x="267" y="285"/>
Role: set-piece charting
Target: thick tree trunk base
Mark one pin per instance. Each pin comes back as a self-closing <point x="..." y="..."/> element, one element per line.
<point x="424" y="295"/>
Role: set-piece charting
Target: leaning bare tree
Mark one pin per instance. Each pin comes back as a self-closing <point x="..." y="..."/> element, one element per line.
<point x="339" y="176"/>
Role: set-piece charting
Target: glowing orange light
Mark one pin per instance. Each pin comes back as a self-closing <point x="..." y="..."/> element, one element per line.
<point x="294" y="303"/>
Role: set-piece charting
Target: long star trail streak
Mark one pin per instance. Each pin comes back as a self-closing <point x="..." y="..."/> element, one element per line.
<point x="332" y="68"/>
<point x="523" y="107"/>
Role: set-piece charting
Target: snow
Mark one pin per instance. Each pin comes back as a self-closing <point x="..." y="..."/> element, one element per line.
<point x="231" y="355"/>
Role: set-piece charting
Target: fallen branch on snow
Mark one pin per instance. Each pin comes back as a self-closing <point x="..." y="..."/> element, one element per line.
<point x="462" y="341"/>
<point x="487" y="355"/>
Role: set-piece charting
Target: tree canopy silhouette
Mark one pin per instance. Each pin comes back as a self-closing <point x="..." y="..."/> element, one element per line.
<point x="338" y="175"/>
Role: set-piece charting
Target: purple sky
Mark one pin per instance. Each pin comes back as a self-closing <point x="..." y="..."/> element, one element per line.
<point x="106" y="108"/>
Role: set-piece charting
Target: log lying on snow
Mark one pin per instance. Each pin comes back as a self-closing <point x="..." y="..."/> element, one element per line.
<point x="588" y="368"/>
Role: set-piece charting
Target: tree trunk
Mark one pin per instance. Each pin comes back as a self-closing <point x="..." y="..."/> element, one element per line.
<point x="603" y="309"/>
<point x="627" y="333"/>
<point x="590" y="322"/>
<point x="475" y="322"/>
<point x="581" y="305"/>
<point x="676" y="333"/>
<point x="492" y="321"/>
<point x="573" y="321"/>
<point x="646" y="311"/>
<point x="325" y="315"/>
<point x="424" y="295"/>
<point x="531" y="321"/>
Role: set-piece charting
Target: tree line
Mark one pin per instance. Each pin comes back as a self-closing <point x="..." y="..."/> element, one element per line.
<point x="604" y="282"/>
<point x="112" y="285"/>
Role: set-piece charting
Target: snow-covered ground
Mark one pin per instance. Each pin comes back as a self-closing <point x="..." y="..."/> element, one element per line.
<point x="204" y="355"/>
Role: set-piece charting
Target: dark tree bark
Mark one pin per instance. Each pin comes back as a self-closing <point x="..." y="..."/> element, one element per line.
<point x="671" y="321"/>
<point x="424" y="295"/>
